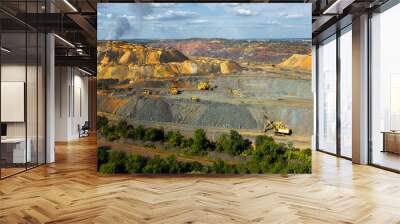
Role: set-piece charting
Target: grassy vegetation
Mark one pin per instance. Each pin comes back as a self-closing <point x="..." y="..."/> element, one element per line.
<point x="267" y="156"/>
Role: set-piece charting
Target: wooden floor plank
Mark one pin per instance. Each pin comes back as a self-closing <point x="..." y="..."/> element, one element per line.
<point x="71" y="191"/>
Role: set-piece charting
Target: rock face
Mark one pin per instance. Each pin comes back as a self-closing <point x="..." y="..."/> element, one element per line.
<point x="218" y="109"/>
<point x="209" y="114"/>
<point x="298" y="61"/>
<point x="122" y="61"/>
<point x="271" y="52"/>
<point x="137" y="79"/>
<point x="228" y="67"/>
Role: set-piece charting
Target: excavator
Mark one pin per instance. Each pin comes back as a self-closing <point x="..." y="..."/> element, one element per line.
<point x="278" y="127"/>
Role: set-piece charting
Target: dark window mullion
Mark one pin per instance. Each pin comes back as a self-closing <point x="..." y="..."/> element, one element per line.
<point x="26" y="86"/>
<point x="338" y="73"/>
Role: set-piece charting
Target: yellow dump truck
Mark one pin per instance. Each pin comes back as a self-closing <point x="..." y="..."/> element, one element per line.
<point x="173" y="90"/>
<point x="235" y="92"/>
<point x="146" y="92"/>
<point x="195" y="99"/>
<point x="203" y="86"/>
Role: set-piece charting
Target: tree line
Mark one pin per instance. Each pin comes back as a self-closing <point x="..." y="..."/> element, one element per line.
<point x="265" y="156"/>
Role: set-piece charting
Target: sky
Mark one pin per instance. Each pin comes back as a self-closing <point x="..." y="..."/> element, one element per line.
<point x="116" y="21"/>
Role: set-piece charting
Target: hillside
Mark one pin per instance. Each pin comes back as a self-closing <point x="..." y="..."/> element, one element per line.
<point x="297" y="61"/>
<point x="127" y="61"/>
<point x="270" y="51"/>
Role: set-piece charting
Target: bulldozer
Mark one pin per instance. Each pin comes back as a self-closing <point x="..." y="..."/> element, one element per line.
<point x="278" y="127"/>
<point x="203" y="86"/>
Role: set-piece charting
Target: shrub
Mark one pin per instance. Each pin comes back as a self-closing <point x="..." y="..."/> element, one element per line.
<point x="174" y="139"/>
<point x="195" y="166"/>
<point x="112" y="137"/>
<point x="118" y="158"/>
<point x="233" y="144"/>
<point x="102" y="155"/>
<point x="187" y="142"/>
<point x="134" y="163"/>
<point x="200" y="141"/>
<point x="222" y="167"/>
<point x="156" y="165"/>
<point x="253" y="167"/>
<point x="102" y="121"/>
<point x="121" y="130"/>
<point x="137" y="133"/>
<point x="263" y="139"/>
<point x="242" y="168"/>
<point x="108" y="168"/>
<point x="154" y="134"/>
<point x="174" y="167"/>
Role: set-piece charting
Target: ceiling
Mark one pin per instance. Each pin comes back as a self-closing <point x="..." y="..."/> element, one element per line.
<point x="75" y="21"/>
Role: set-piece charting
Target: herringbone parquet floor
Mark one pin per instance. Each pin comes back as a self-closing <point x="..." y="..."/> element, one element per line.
<point x="70" y="191"/>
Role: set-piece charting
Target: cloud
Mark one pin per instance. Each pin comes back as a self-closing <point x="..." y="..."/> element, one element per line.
<point x="273" y="22"/>
<point x="231" y="4"/>
<point x="109" y="15"/>
<point x="198" y="21"/>
<point x="291" y="15"/>
<point x="129" y="17"/>
<point x="245" y="12"/>
<point x="171" y="15"/>
<point x="159" y="5"/>
<point x="140" y="10"/>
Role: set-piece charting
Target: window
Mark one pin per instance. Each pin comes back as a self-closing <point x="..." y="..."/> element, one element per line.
<point x="22" y="76"/>
<point x="346" y="92"/>
<point x="385" y="89"/>
<point x="327" y="95"/>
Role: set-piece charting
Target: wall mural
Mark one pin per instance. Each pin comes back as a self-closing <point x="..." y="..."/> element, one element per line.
<point x="195" y="88"/>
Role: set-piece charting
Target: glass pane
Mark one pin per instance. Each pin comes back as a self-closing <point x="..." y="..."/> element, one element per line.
<point x="327" y="96"/>
<point x="31" y="98"/>
<point x="346" y="93"/>
<point x="13" y="86"/>
<point x="41" y="98"/>
<point x="385" y="89"/>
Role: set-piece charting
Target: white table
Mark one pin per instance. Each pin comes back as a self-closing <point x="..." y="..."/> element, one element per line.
<point x="19" y="153"/>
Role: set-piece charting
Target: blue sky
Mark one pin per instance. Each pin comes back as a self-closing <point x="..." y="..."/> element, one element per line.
<point x="203" y="20"/>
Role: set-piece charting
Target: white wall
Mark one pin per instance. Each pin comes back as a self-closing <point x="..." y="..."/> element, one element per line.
<point x="71" y="102"/>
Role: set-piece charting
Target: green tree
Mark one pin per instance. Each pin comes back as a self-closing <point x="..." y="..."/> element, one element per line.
<point x="122" y="129"/>
<point x="186" y="142"/>
<point x="174" y="139"/>
<point x="135" y="163"/>
<point x="102" y="121"/>
<point x="222" y="167"/>
<point x="137" y="133"/>
<point x="102" y="155"/>
<point x="118" y="158"/>
<point x="154" y="134"/>
<point x="108" y="168"/>
<point x="200" y="141"/>
<point x="233" y="144"/>
<point x="174" y="166"/>
<point x="156" y="165"/>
